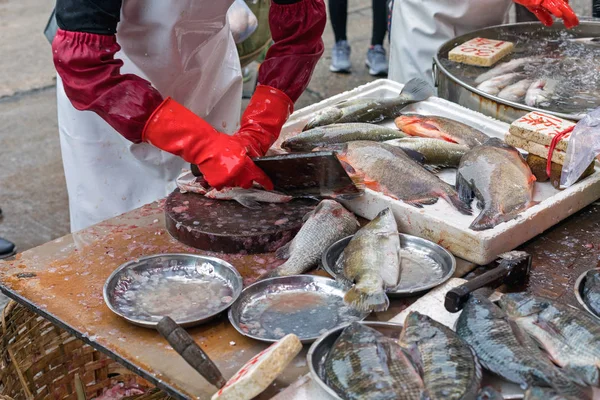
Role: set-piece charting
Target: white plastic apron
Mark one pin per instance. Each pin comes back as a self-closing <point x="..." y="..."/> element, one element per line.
<point x="186" y="50"/>
<point x="420" y="27"/>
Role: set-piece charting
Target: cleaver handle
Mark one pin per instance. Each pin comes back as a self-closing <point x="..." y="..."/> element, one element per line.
<point x="184" y="344"/>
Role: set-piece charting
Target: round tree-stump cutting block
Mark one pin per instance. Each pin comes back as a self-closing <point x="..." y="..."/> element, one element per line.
<point x="228" y="227"/>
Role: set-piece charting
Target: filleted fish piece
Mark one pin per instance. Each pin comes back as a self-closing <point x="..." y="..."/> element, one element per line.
<point x="435" y="127"/>
<point x="449" y="367"/>
<point x="363" y="364"/>
<point x="372" y="110"/>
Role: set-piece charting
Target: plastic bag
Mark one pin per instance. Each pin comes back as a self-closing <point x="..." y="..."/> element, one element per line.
<point x="584" y="146"/>
<point x="242" y="21"/>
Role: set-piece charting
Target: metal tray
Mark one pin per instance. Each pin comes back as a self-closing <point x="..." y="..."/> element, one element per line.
<point x="579" y="291"/>
<point x="189" y="288"/>
<point x="304" y="305"/>
<point x="320" y="349"/>
<point x="425" y="264"/>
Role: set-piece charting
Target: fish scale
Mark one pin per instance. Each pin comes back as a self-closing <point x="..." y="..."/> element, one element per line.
<point x="591" y="291"/>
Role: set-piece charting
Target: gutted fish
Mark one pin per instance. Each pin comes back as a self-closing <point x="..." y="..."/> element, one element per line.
<point x="249" y="198"/>
<point x="508" y="67"/>
<point x="499" y="177"/>
<point x="363" y="364"/>
<point x="516" y="91"/>
<point x="372" y="110"/>
<point x="591" y="290"/>
<point x="372" y="262"/>
<point x="449" y="367"/>
<point x="431" y="126"/>
<point x="495" y="85"/>
<point x="435" y="152"/>
<point x="540" y="92"/>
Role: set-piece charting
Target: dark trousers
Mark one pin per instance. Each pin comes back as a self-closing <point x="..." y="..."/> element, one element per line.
<point x="596" y="8"/>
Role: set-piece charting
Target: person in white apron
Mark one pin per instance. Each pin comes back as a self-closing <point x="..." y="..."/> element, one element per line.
<point x="420" y="27"/>
<point x="145" y="86"/>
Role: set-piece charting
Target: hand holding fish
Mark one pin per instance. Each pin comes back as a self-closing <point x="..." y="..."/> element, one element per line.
<point x="545" y="9"/>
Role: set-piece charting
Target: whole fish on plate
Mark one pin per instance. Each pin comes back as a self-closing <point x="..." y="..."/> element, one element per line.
<point x="495" y="85"/>
<point x="372" y="110"/>
<point x="392" y="172"/>
<point x="372" y="262"/>
<point x="431" y="126"/>
<point x="591" y="290"/>
<point x="516" y="91"/>
<point x="499" y="177"/>
<point x="571" y="337"/>
<point x="540" y="92"/>
<point x="435" y="152"/>
<point x="249" y="198"/>
<point x="449" y="367"/>
<point x="508" y="67"/>
<point x="363" y="364"/>
<point x="323" y="226"/>
<point x="340" y="133"/>
<point x="505" y="349"/>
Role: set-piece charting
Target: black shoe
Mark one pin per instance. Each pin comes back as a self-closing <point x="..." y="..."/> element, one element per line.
<point x="7" y="248"/>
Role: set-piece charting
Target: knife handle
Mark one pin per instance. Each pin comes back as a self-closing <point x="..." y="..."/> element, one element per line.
<point x="457" y="297"/>
<point x="183" y="344"/>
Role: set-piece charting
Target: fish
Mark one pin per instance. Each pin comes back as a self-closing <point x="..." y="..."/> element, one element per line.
<point x="363" y="364"/>
<point x="505" y="349"/>
<point x="569" y="336"/>
<point x="540" y="91"/>
<point x="539" y="393"/>
<point x="508" y="67"/>
<point x="325" y="225"/>
<point x="435" y="152"/>
<point x="449" y="367"/>
<point x="489" y="393"/>
<point x="591" y="290"/>
<point x="516" y="91"/>
<point x="495" y="85"/>
<point x="340" y="133"/>
<point x="391" y="171"/>
<point x="440" y="128"/>
<point x="499" y="177"/>
<point x="371" y="262"/>
<point x="372" y="110"/>
<point x="249" y="198"/>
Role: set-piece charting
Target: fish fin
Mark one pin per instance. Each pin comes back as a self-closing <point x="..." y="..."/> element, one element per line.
<point x="415" y="155"/>
<point x="417" y="89"/>
<point x="284" y="252"/>
<point x="487" y="219"/>
<point x="465" y="193"/>
<point x="434" y="169"/>
<point x="367" y="302"/>
<point x="419" y="203"/>
<point x="248" y="202"/>
<point x="452" y="197"/>
<point x="587" y="375"/>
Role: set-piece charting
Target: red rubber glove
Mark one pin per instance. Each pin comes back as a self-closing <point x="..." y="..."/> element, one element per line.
<point x="261" y="123"/>
<point x="221" y="158"/>
<point x="545" y="9"/>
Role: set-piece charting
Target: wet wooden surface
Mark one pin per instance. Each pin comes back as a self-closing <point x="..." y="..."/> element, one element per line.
<point x="62" y="280"/>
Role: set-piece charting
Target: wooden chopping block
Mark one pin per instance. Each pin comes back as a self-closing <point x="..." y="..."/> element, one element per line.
<point x="228" y="227"/>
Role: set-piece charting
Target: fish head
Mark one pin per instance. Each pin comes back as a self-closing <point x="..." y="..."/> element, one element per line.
<point x="518" y="305"/>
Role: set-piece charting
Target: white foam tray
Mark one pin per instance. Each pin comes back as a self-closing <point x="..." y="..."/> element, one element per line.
<point x="440" y="222"/>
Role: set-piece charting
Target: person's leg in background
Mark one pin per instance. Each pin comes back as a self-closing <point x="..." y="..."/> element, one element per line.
<point x="376" y="57"/>
<point x="596" y="8"/>
<point x="340" y="55"/>
<point x="524" y="15"/>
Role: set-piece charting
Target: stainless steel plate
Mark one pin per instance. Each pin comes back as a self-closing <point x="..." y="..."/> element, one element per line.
<point x="304" y="305"/>
<point x="191" y="289"/>
<point x="425" y="264"/>
<point x="320" y="349"/>
<point x="579" y="292"/>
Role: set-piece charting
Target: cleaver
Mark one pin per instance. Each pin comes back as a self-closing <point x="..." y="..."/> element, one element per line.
<point x="318" y="174"/>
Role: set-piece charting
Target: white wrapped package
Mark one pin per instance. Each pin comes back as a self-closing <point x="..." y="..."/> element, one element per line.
<point x="242" y="21"/>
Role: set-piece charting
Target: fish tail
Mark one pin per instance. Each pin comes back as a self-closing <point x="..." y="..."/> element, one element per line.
<point x="487" y="219"/>
<point x="367" y="301"/>
<point x="451" y="196"/>
<point x="417" y="90"/>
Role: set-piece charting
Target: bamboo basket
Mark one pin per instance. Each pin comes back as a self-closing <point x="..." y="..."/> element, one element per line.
<point x="42" y="361"/>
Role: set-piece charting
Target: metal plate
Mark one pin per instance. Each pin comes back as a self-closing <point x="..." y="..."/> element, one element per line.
<point x="304" y="305"/>
<point x="579" y="292"/>
<point x="425" y="264"/>
<point x="191" y="289"/>
<point x="320" y="349"/>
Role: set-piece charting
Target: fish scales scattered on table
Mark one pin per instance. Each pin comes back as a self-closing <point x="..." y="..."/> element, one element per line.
<point x="363" y="364"/>
<point x="323" y="226"/>
<point x="396" y="174"/>
<point x="508" y="67"/>
<point x="340" y="133"/>
<point x="435" y="152"/>
<point x="505" y="349"/>
<point x="499" y="177"/>
<point x="372" y="262"/>
<point x="571" y="337"/>
<point x="591" y="291"/>
<point x="249" y="198"/>
<point x="372" y="110"/>
<point x="495" y="85"/>
<point x="516" y="92"/>
<point x="436" y="127"/>
<point x="449" y="367"/>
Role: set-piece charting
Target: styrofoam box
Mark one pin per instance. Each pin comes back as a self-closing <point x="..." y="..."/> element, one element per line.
<point x="440" y="222"/>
